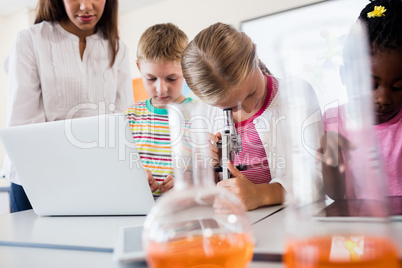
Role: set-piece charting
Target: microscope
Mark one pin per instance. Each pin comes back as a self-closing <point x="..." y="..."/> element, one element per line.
<point x="230" y="144"/>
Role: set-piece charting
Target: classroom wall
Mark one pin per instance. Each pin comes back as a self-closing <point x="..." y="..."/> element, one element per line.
<point x="190" y="15"/>
<point x="193" y="15"/>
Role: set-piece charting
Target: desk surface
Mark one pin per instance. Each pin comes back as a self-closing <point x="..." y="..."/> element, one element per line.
<point x="92" y="233"/>
<point x="21" y="257"/>
<point x="91" y="239"/>
<point x="271" y="233"/>
<point x="28" y="240"/>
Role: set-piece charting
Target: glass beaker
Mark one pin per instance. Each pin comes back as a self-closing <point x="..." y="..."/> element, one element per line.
<point x="338" y="211"/>
<point x="196" y="224"/>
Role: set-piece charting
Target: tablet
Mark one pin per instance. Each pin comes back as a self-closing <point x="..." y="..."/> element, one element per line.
<point x="361" y="209"/>
<point x="129" y="244"/>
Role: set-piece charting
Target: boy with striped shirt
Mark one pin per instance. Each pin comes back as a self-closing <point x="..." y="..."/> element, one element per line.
<point x="158" y="59"/>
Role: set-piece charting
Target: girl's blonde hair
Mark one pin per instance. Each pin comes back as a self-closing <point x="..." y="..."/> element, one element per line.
<point x="219" y="58"/>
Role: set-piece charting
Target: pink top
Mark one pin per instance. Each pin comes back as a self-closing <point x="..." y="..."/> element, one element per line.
<point x="253" y="153"/>
<point x="390" y="145"/>
<point x="390" y="139"/>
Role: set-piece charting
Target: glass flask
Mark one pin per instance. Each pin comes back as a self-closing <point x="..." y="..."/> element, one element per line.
<point x="196" y="224"/>
<point x="338" y="213"/>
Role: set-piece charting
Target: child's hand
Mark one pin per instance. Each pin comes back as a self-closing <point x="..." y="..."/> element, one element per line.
<point x="332" y="147"/>
<point x="167" y="184"/>
<point x="153" y="184"/>
<point x="215" y="151"/>
<point x="242" y="187"/>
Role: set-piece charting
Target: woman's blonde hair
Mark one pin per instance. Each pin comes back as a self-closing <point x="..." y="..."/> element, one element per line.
<point x="162" y="42"/>
<point x="219" y="58"/>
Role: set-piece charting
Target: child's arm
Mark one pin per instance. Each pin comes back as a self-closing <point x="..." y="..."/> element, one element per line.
<point x="253" y="195"/>
<point x="333" y="147"/>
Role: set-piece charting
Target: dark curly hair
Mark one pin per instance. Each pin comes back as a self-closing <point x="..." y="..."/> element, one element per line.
<point x="384" y="32"/>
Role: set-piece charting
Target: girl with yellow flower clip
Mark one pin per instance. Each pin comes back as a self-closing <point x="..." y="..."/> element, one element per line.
<point x="383" y="20"/>
<point x="378" y="11"/>
<point x="385" y="35"/>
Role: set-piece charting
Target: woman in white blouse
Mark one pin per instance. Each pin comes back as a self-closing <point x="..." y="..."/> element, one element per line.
<point x="69" y="64"/>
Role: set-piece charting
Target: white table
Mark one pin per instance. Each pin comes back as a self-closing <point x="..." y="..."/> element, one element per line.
<point x="28" y="240"/>
<point x="271" y="233"/>
<point x="97" y="232"/>
<point x="21" y="257"/>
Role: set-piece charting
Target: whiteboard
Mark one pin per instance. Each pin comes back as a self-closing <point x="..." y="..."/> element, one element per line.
<point x="268" y="31"/>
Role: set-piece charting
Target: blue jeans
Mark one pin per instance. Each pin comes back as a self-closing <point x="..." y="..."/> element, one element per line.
<point x="18" y="199"/>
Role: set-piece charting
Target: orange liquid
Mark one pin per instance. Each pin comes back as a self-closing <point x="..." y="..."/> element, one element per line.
<point x="342" y="251"/>
<point x="216" y="251"/>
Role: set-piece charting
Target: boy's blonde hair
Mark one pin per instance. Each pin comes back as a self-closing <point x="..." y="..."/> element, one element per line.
<point x="218" y="59"/>
<point x="162" y="42"/>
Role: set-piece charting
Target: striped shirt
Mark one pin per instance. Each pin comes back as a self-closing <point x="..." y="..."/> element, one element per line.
<point x="150" y="129"/>
<point x="253" y="153"/>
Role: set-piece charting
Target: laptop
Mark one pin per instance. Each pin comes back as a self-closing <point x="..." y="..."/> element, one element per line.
<point x="84" y="166"/>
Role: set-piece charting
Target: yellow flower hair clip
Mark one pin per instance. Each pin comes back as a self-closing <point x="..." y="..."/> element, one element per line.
<point x="377" y="12"/>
